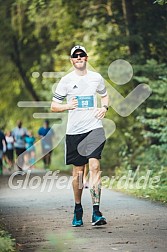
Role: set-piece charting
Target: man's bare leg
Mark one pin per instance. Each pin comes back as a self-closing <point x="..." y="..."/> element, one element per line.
<point x="95" y="190"/>
<point x="94" y="180"/>
<point x="77" y="189"/>
<point x="77" y="183"/>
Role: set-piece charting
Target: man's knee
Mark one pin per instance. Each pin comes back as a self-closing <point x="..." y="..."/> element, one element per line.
<point x="94" y="165"/>
<point x="78" y="172"/>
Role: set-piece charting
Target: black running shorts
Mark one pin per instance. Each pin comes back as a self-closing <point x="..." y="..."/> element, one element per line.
<point x="81" y="147"/>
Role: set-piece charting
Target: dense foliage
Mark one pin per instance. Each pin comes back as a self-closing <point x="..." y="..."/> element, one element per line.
<point x="36" y="36"/>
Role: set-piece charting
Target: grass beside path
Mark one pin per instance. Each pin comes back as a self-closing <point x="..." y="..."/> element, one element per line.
<point x="7" y="244"/>
<point x="152" y="186"/>
<point x="159" y="194"/>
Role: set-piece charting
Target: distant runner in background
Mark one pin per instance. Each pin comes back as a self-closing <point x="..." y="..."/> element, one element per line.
<point x="9" y="154"/>
<point x="29" y="157"/>
<point x="46" y="134"/>
<point x="2" y="150"/>
<point x="19" y="134"/>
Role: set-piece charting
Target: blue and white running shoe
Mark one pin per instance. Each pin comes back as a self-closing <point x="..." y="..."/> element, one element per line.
<point x="98" y="219"/>
<point x="77" y="220"/>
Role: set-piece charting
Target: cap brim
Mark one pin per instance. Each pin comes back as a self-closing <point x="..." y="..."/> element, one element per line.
<point x="79" y="50"/>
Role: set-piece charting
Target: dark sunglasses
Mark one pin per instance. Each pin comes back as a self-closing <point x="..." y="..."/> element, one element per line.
<point x="75" y="55"/>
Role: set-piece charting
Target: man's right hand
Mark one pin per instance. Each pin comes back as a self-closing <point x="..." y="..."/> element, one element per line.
<point x="73" y="103"/>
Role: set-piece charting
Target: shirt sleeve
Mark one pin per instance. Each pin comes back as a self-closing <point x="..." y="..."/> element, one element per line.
<point x="61" y="91"/>
<point x="101" y="89"/>
<point x="40" y="133"/>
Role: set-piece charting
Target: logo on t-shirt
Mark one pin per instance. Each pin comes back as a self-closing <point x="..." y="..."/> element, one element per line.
<point x="75" y="87"/>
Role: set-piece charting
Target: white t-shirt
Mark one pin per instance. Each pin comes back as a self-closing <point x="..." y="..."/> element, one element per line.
<point x="10" y="142"/>
<point x="85" y="89"/>
<point x="19" y="135"/>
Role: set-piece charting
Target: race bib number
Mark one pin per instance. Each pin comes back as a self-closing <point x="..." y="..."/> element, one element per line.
<point x="86" y="102"/>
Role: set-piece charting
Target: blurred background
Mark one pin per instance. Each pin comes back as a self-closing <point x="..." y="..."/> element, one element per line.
<point x="37" y="35"/>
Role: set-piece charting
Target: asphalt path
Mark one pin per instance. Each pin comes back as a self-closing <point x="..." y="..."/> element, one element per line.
<point x="40" y="218"/>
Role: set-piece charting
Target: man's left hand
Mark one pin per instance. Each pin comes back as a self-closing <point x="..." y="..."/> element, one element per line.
<point x="100" y="113"/>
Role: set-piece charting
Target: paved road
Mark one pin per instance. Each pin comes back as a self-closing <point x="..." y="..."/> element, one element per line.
<point x="41" y="221"/>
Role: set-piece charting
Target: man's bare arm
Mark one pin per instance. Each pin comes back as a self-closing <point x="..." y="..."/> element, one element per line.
<point x="104" y="101"/>
<point x="102" y="111"/>
<point x="59" y="107"/>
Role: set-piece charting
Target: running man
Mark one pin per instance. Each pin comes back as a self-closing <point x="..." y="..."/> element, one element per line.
<point x="85" y="136"/>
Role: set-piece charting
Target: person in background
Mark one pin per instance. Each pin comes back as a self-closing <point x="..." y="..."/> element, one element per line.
<point x="29" y="157"/>
<point x="19" y="134"/>
<point x="2" y="150"/>
<point x="9" y="157"/>
<point x="46" y="134"/>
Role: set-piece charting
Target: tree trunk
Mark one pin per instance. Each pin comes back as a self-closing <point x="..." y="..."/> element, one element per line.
<point x="16" y="59"/>
<point x="130" y="25"/>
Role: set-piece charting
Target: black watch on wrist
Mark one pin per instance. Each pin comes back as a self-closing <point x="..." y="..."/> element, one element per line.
<point x="105" y="106"/>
